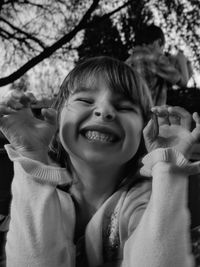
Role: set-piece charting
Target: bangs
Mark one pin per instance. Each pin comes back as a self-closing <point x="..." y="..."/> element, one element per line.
<point x="121" y="80"/>
<point x="117" y="76"/>
<point x="84" y="79"/>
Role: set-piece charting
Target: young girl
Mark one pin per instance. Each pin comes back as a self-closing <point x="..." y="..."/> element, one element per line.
<point x="84" y="203"/>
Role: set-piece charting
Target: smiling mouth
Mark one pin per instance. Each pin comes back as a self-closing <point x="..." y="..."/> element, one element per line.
<point x="100" y="136"/>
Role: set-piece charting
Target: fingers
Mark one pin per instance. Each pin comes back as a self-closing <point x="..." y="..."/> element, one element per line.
<point x="173" y="116"/>
<point x="50" y="115"/>
<point x="4" y="110"/>
<point x="151" y="130"/>
<point x="181" y="114"/>
<point x="17" y="100"/>
<point x="196" y="118"/>
<point x="162" y="114"/>
<point x="27" y="99"/>
<point x="12" y="100"/>
<point x="196" y="131"/>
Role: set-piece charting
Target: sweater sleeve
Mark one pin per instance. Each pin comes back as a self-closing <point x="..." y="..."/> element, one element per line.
<point x="41" y="228"/>
<point x="134" y="206"/>
<point x="162" y="236"/>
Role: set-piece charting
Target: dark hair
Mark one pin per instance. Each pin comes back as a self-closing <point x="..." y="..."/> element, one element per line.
<point x="120" y="78"/>
<point x="148" y="34"/>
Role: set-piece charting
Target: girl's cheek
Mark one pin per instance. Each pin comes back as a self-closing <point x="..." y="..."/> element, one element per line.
<point x="68" y="106"/>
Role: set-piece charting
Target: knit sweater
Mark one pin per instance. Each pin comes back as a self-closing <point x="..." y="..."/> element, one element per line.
<point x="152" y="227"/>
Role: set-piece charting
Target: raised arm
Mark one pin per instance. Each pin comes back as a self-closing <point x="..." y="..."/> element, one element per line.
<point x="166" y="70"/>
<point x="41" y="229"/>
<point x="184" y="66"/>
<point x="162" y="236"/>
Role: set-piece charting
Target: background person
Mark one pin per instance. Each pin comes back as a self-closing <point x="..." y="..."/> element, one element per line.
<point x="159" y="71"/>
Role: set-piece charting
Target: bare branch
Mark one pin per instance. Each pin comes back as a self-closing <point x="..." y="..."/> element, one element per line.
<point x="47" y="52"/>
<point x="107" y="15"/>
<point x="39" y="42"/>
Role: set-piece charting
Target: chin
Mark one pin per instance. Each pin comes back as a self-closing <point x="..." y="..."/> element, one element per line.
<point x="104" y="159"/>
<point x="98" y="159"/>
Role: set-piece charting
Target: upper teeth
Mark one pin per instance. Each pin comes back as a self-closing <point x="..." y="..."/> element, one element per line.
<point x="95" y="135"/>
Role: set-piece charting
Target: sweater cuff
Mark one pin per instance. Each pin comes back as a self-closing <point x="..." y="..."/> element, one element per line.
<point x="169" y="155"/>
<point x="39" y="171"/>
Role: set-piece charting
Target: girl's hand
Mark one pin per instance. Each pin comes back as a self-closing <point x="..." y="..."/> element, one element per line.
<point x="171" y="127"/>
<point x="26" y="133"/>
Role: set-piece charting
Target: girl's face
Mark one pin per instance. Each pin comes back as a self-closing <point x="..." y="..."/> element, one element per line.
<point x="100" y="126"/>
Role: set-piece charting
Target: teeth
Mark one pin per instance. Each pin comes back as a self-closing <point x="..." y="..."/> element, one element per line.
<point x="103" y="137"/>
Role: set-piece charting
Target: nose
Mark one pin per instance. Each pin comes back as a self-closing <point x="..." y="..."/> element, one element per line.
<point x="104" y="113"/>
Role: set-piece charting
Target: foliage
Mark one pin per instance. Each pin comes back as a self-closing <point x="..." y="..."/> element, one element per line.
<point x="136" y="15"/>
<point x="104" y="39"/>
<point x="27" y="35"/>
<point x="45" y="38"/>
<point x="26" y="25"/>
<point x="33" y="40"/>
<point x="180" y="21"/>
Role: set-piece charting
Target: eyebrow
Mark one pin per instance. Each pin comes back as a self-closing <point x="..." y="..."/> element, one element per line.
<point x="118" y="96"/>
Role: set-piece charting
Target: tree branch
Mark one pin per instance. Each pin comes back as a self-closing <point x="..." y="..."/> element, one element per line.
<point x="24" y="33"/>
<point x="107" y="15"/>
<point x="47" y="52"/>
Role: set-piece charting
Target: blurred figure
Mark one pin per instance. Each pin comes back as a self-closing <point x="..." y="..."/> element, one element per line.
<point x="160" y="71"/>
<point x="181" y="63"/>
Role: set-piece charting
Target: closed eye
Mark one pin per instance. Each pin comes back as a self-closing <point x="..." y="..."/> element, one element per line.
<point x="125" y="108"/>
<point x="85" y="100"/>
